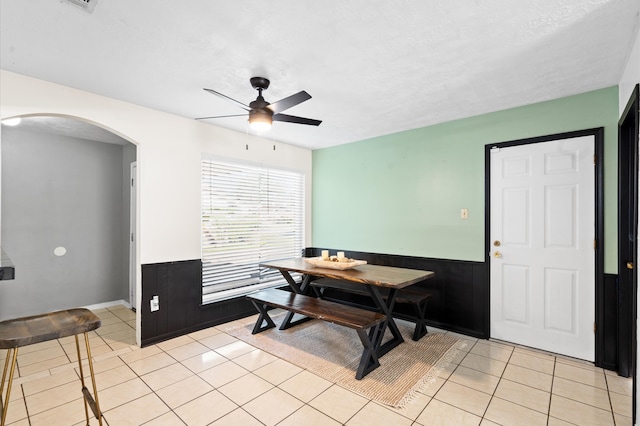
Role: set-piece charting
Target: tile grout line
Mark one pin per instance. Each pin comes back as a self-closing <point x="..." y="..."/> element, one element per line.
<point x="493" y="395"/>
<point x="501" y="378"/>
<point x="165" y="351"/>
<point x="613" y="415"/>
<point x="460" y="364"/>
<point x="475" y="345"/>
<point x="553" y="379"/>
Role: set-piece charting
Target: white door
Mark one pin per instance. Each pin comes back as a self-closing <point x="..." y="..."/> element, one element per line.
<point x="132" y="237"/>
<point x="542" y="240"/>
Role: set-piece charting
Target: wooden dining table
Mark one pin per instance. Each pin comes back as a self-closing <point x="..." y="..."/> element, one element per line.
<point x="372" y="277"/>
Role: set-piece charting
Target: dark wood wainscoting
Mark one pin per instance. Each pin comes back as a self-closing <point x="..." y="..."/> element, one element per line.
<point x="459" y="303"/>
<point x="460" y="299"/>
<point x="607" y="320"/>
<point x="178" y="286"/>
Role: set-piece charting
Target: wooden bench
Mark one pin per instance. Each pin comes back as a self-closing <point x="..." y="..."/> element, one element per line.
<point x="358" y="319"/>
<point x="414" y="296"/>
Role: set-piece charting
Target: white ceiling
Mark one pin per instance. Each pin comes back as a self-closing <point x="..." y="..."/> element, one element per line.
<point x="373" y="67"/>
<point x="64" y="126"/>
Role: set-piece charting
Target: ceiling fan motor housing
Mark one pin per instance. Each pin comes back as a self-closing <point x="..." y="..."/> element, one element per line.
<point x="262" y="113"/>
<point x="260" y="104"/>
<point x="259" y="83"/>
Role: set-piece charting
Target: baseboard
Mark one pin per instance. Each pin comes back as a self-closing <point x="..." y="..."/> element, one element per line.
<point x="108" y="305"/>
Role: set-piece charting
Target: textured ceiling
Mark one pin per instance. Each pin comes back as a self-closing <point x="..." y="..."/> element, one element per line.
<point x="66" y="127"/>
<point x="373" y="67"/>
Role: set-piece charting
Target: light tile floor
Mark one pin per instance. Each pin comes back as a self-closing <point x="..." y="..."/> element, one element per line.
<point x="211" y="378"/>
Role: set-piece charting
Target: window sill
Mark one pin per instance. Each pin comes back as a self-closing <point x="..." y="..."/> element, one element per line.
<point x="212" y="298"/>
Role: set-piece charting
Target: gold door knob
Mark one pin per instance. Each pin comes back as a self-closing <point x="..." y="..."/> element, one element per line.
<point x="629" y="265"/>
<point x="497" y="254"/>
<point x="496" y="243"/>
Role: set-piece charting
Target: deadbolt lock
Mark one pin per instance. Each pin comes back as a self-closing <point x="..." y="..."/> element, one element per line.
<point x="496" y="243"/>
<point x="629" y="265"/>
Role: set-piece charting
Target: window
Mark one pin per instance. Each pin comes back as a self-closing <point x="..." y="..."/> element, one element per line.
<point x="250" y="214"/>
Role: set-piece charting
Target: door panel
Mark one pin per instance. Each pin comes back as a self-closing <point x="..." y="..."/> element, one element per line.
<point x="516" y="222"/>
<point x="517" y="310"/>
<point x="560" y="217"/>
<point x="542" y="263"/>
<point x="560" y="298"/>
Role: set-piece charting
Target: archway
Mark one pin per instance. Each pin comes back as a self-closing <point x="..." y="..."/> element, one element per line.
<point x="65" y="214"/>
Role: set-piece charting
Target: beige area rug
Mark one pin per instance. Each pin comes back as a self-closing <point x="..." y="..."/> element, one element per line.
<point x="333" y="353"/>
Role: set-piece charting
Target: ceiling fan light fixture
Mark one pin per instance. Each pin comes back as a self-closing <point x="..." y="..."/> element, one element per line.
<point x="14" y="121"/>
<point x="262" y="114"/>
<point x="260" y="121"/>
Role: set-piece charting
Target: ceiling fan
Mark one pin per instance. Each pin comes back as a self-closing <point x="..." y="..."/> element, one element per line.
<point x="262" y="113"/>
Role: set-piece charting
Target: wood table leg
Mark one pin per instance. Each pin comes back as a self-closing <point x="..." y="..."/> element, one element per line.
<point x="302" y="289"/>
<point x="299" y="289"/>
<point x="369" y="360"/>
<point x="421" y="327"/>
<point x="389" y="323"/>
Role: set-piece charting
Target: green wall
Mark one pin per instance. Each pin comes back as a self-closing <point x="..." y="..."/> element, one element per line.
<point x="402" y="193"/>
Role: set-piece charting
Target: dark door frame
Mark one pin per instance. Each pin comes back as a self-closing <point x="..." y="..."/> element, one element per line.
<point x="600" y="300"/>
<point x="627" y="238"/>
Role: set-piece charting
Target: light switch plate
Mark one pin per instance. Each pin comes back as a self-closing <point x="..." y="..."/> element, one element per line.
<point x="155" y="304"/>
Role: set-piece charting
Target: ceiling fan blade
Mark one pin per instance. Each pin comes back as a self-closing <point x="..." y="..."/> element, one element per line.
<point x="289" y="102"/>
<point x="298" y="120"/>
<point x="240" y="104"/>
<point x="223" y="116"/>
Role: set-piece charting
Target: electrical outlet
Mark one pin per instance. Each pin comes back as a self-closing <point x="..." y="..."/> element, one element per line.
<point x="155" y="304"/>
<point x="464" y="214"/>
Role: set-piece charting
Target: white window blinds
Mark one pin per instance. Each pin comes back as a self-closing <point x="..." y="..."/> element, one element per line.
<point x="250" y="214"/>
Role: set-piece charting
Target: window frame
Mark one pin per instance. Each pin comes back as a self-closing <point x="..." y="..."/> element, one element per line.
<point x="271" y="277"/>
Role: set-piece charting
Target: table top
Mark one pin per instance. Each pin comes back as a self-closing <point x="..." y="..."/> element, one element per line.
<point x="381" y="276"/>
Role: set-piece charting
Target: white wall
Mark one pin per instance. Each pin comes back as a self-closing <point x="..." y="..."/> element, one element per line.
<point x="168" y="154"/>
<point x="630" y="76"/>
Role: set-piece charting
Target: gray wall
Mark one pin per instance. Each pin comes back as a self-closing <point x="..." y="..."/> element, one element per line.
<point x="61" y="191"/>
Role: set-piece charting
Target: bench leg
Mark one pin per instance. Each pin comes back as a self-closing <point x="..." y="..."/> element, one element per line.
<point x="263" y="317"/>
<point x="288" y="323"/>
<point x="421" y="328"/>
<point x="89" y="400"/>
<point x="303" y="288"/>
<point x="318" y="292"/>
<point x="369" y="360"/>
<point x="13" y="356"/>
